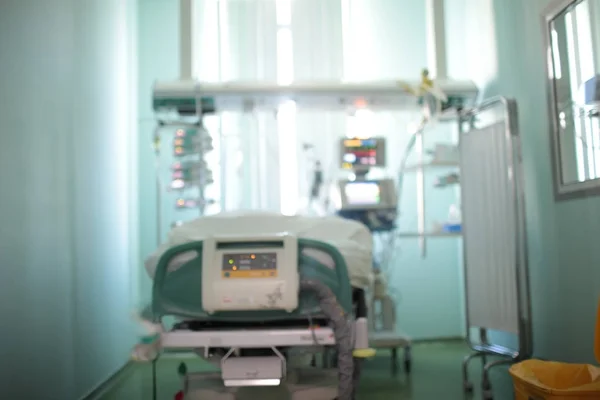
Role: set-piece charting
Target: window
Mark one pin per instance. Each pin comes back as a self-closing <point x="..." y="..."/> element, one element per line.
<point x="582" y="68"/>
<point x="555" y="69"/>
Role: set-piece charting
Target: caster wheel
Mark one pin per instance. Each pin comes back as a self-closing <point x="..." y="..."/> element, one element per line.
<point x="488" y="395"/>
<point x="407" y="367"/>
<point x="468" y="387"/>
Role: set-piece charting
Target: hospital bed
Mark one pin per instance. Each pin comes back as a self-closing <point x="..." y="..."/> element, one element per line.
<point x="247" y="301"/>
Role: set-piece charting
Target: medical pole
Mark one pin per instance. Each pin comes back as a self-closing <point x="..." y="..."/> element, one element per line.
<point x="437" y="66"/>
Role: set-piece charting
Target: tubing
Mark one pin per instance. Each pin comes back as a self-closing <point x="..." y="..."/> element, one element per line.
<point x="342" y="329"/>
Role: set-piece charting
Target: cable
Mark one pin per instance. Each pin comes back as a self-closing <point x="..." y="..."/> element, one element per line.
<point x="312" y="330"/>
<point x="342" y="330"/>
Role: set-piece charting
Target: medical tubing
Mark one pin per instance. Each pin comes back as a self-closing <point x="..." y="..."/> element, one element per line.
<point x="342" y="330"/>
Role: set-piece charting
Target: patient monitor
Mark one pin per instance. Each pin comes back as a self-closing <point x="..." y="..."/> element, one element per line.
<point x="372" y="202"/>
<point x="249" y="274"/>
<point x="362" y="154"/>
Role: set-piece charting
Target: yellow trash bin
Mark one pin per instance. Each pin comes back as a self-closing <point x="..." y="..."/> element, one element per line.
<point x="548" y="380"/>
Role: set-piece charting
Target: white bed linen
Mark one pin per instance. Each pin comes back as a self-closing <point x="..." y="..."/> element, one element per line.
<point x="351" y="238"/>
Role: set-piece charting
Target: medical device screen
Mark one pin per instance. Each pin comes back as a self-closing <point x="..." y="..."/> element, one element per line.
<point x="362" y="193"/>
<point x="363" y="153"/>
<point x="249" y="265"/>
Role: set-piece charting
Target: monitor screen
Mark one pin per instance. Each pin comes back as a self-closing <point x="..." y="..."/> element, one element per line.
<point x="363" y="153"/>
<point x="362" y="193"/>
<point x="249" y="265"/>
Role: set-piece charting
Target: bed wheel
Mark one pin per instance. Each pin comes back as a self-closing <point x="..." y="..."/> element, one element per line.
<point x="407" y="366"/>
<point x="407" y="360"/>
<point x="394" y="362"/>
<point x="468" y="387"/>
<point x="486" y="389"/>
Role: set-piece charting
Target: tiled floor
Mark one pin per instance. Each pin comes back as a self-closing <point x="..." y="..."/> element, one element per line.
<point x="436" y="375"/>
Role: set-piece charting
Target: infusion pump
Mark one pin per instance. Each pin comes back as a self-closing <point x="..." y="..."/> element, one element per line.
<point x="250" y="273"/>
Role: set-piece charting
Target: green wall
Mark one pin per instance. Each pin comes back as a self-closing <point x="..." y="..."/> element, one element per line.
<point x="67" y="166"/>
<point x="158" y="32"/>
<point x="428" y="287"/>
<point x="563" y="254"/>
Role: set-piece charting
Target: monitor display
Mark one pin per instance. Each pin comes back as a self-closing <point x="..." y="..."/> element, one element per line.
<point x="363" y="153"/>
<point x="362" y="193"/>
<point x="249" y="265"/>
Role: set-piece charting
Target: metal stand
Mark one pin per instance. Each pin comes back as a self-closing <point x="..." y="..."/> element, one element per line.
<point x="407" y="361"/>
<point x="154" y="379"/>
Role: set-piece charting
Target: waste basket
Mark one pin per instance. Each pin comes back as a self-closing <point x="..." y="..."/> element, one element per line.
<point x="549" y="380"/>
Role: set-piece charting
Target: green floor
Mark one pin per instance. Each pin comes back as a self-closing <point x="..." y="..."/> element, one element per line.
<point x="436" y="375"/>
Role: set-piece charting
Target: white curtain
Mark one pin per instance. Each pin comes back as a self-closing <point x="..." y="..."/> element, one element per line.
<point x="383" y="40"/>
<point x="263" y="162"/>
<point x="236" y="40"/>
<point x="316" y="29"/>
<point x="259" y="160"/>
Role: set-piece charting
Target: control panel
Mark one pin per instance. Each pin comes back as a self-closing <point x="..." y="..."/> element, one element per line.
<point x="244" y="274"/>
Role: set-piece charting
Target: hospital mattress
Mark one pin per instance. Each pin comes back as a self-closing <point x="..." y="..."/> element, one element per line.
<point x="352" y="239"/>
<point x="177" y="266"/>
